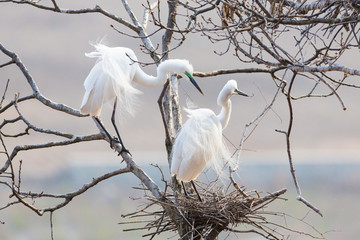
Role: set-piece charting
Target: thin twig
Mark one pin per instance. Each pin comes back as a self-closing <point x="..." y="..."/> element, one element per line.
<point x="51" y="225"/>
<point x="287" y="134"/>
<point x="5" y="90"/>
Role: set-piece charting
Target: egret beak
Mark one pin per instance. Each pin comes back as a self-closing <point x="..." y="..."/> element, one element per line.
<point x="192" y="80"/>
<point x="241" y="93"/>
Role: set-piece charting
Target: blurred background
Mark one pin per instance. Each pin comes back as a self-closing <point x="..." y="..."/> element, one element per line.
<point x="325" y="139"/>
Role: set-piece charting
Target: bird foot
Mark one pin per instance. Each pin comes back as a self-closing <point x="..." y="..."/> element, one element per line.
<point x="113" y="141"/>
<point x="124" y="150"/>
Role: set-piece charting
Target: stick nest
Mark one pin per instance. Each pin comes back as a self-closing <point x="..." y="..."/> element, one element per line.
<point x="223" y="209"/>
<point x="216" y="212"/>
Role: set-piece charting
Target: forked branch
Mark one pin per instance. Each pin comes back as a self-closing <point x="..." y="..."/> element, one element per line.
<point x="288" y="147"/>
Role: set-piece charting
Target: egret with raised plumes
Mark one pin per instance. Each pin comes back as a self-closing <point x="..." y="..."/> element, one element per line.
<point x="200" y="142"/>
<point x="112" y="76"/>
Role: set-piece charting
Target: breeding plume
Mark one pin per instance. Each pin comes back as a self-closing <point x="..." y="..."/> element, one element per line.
<point x="111" y="80"/>
<point x="199" y="142"/>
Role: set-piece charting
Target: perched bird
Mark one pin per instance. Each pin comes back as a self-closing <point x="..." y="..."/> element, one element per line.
<point x="199" y="142"/>
<point x="111" y="80"/>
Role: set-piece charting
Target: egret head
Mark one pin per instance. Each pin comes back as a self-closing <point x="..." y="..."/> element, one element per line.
<point x="229" y="90"/>
<point x="181" y="67"/>
<point x="232" y="88"/>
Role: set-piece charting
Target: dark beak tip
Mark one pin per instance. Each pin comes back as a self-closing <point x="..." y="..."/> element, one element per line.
<point x="201" y="92"/>
<point x="192" y="80"/>
<point x="242" y="93"/>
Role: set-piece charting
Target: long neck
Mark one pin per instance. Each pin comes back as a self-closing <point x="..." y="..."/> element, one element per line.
<point x="225" y="112"/>
<point x="147" y="80"/>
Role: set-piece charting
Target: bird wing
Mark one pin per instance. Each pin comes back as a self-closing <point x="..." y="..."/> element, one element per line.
<point x="111" y="76"/>
<point x="198" y="143"/>
<point x="98" y="90"/>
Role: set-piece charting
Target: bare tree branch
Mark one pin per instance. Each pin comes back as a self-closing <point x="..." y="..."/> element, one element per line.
<point x="55" y="8"/>
<point x="147" y="12"/>
<point x="34" y="87"/>
<point x="287" y="134"/>
<point x="5" y="90"/>
<point x="271" y="37"/>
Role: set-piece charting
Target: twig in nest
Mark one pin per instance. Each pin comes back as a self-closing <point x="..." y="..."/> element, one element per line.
<point x="217" y="212"/>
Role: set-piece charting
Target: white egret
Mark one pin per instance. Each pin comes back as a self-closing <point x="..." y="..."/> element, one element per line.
<point x="199" y="142"/>
<point x="111" y="78"/>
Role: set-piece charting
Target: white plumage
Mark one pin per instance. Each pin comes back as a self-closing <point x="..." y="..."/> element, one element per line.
<point x="110" y="77"/>
<point x="113" y="74"/>
<point x="111" y="80"/>
<point x="200" y="140"/>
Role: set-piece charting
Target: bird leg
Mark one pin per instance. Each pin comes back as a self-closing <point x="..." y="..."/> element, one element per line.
<point x="185" y="192"/>
<point x="123" y="149"/>
<point x="106" y="132"/>
<point x="193" y="184"/>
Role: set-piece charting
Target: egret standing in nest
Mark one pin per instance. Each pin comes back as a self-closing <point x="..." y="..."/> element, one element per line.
<point x="111" y="80"/>
<point x="199" y="142"/>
